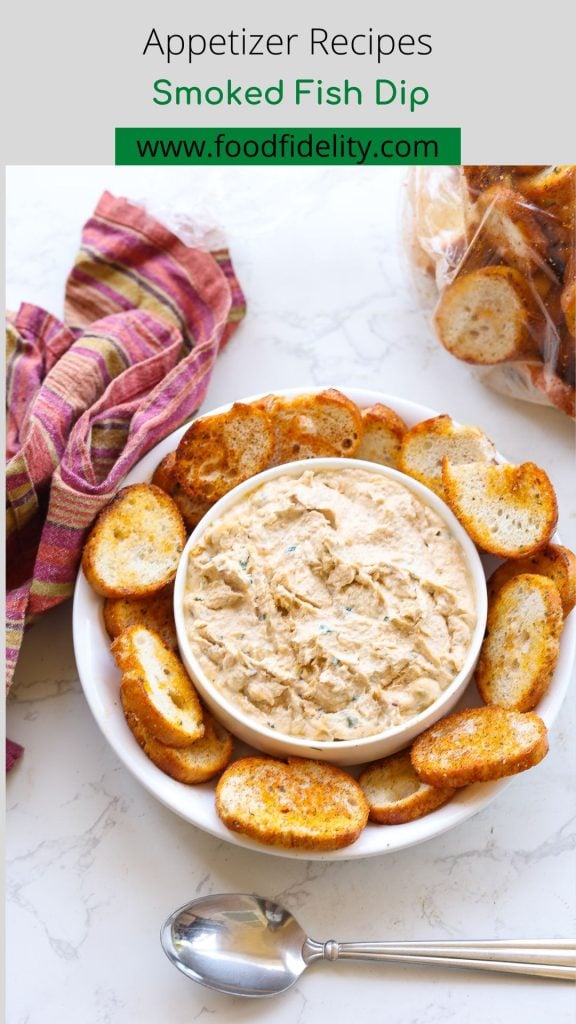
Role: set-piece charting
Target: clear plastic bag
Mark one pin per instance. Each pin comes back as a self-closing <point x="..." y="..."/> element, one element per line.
<point x="494" y="251"/>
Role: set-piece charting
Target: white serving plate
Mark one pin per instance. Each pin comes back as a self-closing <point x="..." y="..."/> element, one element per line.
<point x="100" y="680"/>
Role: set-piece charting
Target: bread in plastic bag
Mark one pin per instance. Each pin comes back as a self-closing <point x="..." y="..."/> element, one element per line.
<point x="494" y="249"/>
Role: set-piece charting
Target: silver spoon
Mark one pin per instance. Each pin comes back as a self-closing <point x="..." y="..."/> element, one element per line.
<point x="246" y="945"/>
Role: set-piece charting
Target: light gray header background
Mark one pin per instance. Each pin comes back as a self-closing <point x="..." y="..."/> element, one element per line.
<point x="503" y="71"/>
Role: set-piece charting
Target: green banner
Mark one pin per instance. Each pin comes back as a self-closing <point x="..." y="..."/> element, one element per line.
<point x="288" y="146"/>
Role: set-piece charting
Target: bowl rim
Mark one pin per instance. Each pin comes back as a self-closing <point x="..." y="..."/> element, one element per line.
<point x="414" y="725"/>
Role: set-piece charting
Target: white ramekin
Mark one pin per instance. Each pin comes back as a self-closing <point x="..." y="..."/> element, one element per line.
<point x="342" y="752"/>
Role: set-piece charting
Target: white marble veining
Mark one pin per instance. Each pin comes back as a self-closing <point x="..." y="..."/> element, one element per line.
<point x="94" y="863"/>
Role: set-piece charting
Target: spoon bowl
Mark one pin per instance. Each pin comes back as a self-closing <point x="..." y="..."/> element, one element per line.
<point x="236" y="943"/>
<point x="246" y="945"/>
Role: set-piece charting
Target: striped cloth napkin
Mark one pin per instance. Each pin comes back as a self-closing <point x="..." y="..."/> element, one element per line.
<point x="145" y="317"/>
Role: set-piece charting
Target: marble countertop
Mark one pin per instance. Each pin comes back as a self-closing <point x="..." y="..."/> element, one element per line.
<point x="94" y="863"/>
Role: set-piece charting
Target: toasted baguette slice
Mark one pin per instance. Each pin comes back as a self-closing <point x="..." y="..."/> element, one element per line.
<point x="512" y="228"/>
<point x="302" y="803"/>
<point x="479" y="177"/>
<point x="507" y="510"/>
<point x="196" y="763"/>
<point x="217" y="452"/>
<point x="314" y="425"/>
<point x="382" y="432"/>
<point x="520" y="170"/>
<point x="191" y="509"/>
<point x="156" y="687"/>
<point x="395" y="794"/>
<point x="553" y="191"/>
<point x="522" y="643"/>
<point x="553" y="561"/>
<point x="424" y="446"/>
<point x="547" y="286"/>
<point x="155" y="612"/>
<point x="163" y="476"/>
<point x="489" y="316"/>
<point x="479" y="745"/>
<point x="135" y="544"/>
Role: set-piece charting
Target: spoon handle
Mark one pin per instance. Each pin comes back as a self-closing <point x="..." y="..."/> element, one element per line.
<point x="543" y="958"/>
